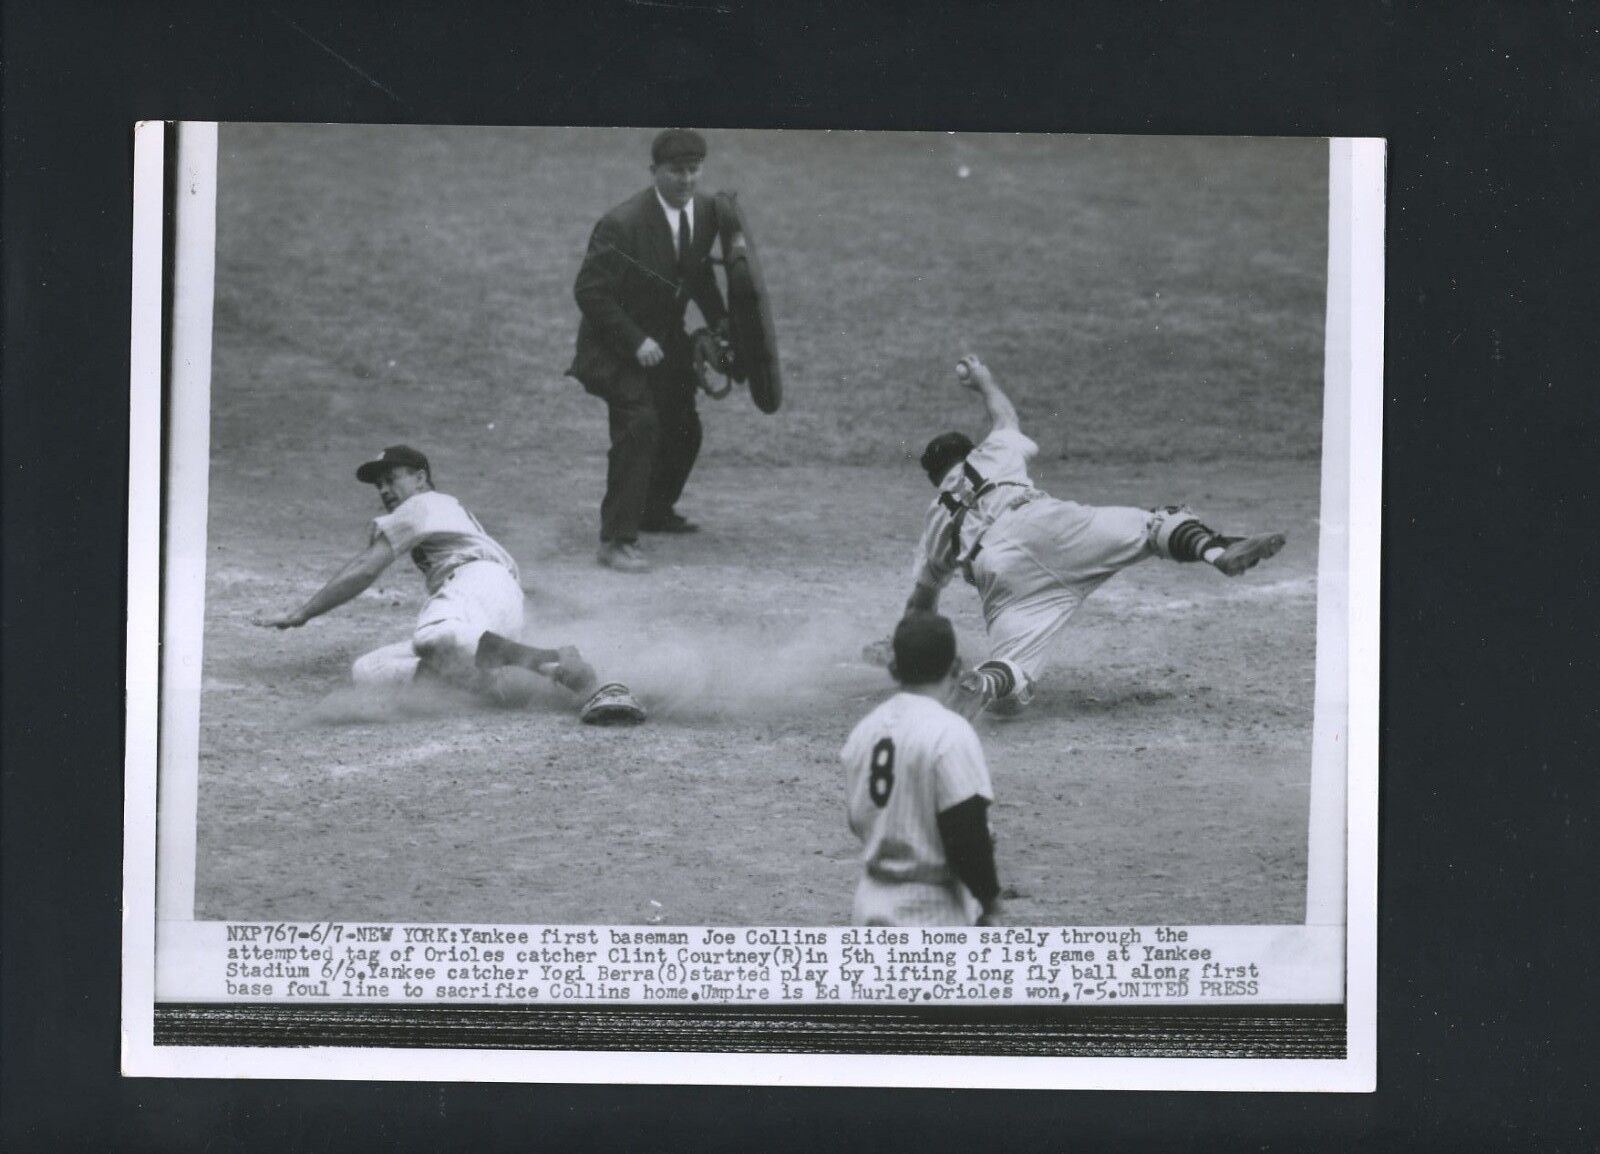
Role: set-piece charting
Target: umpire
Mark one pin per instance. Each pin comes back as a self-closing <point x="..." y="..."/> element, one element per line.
<point x="647" y="259"/>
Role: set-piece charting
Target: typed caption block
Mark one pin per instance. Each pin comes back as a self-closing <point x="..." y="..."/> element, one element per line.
<point x="482" y="964"/>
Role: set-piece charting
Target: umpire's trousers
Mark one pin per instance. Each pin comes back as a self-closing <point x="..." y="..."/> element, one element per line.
<point x="655" y="440"/>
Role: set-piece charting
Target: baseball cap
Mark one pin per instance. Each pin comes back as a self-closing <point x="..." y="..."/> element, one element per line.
<point x="673" y="144"/>
<point x="924" y="648"/>
<point x="392" y="457"/>
<point x="943" y="451"/>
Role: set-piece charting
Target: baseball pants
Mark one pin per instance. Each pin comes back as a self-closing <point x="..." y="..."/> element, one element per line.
<point x="478" y="597"/>
<point x="887" y="903"/>
<point x="1038" y="563"/>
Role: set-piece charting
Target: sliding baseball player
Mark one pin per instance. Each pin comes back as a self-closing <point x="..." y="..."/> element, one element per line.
<point x="474" y="612"/>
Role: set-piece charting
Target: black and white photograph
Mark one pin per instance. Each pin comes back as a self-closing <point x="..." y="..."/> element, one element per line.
<point x="692" y="574"/>
<point x="623" y="533"/>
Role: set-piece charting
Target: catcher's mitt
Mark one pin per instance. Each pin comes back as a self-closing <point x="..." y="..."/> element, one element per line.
<point x="879" y="652"/>
<point x="712" y="354"/>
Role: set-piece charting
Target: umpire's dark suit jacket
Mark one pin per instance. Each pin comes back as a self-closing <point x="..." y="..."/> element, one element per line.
<point x="630" y="287"/>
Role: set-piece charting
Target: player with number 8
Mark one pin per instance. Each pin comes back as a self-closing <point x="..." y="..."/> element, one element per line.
<point x="919" y="794"/>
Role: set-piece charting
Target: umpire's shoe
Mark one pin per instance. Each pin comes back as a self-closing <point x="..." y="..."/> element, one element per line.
<point x="1246" y="552"/>
<point x="611" y="704"/>
<point x="623" y="556"/>
<point x="668" y="522"/>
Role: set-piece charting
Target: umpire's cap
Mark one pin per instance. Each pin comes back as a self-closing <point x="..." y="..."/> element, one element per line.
<point x="395" y="456"/>
<point x="674" y="144"/>
<point x="924" y="648"/>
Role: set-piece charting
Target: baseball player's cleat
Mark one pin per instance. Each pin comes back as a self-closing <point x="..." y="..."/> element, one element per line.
<point x="623" y="556"/>
<point x="1245" y="553"/>
<point x="611" y="704"/>
<point x="971" y="695"/>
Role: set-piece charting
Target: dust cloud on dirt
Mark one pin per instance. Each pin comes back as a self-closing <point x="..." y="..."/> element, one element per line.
<point x="735" y="669"/>
<point x="741" y="669"/>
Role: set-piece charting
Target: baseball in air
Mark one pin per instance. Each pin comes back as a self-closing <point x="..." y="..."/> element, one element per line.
<point x="963" y="172"/>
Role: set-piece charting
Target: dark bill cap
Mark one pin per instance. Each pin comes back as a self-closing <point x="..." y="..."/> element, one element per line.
<point x="674" y="144"/>
<point x="924" y="648"/>
<point x="395" y="456"/>
<point x="943" y="451"/>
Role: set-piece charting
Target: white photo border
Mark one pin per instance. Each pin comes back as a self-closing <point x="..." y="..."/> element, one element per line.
<point x="163" y="692"/>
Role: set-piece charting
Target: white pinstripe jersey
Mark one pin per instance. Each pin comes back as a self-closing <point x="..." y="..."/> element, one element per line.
<point x="906" y="762"/>
<point x="1001" y="459"/>
<point x="441" y="536"/>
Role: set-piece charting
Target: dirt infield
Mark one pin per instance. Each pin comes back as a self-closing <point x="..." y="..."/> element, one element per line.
<point x="1155" y="309"/>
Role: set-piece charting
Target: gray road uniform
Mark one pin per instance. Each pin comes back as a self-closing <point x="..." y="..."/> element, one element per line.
<point x="1032" y="558"/>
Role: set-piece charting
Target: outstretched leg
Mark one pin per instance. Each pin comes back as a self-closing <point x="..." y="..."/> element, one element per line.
<point x="999" y="685"/>
<point x="1035" y="572"/>
<point x="1179" y="535"/>
<point x="609" y="704"/>
<point x="390" y="666"/>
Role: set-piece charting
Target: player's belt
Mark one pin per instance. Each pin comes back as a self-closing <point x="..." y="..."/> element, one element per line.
<point x="919" y="874"/>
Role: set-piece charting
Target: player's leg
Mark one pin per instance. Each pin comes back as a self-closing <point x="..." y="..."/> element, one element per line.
<point x="1178" y="535"/>
<point x="389" y="666"/>
<point x="1022" y="632"/>
<point x="484" y="602"/>
<point x="674" y="390"/>
<point x="477" y="598"/>
<point x="609" y="704"/>
<point x="1031" y="578"/>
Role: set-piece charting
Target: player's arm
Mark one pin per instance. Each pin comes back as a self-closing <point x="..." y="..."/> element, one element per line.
<point x="969" y="848"/>
<point x="978" y="378"/>
<point x="931" y="571"/>
<point x="924" y="599"/>
<point x="599" y="286"/>
<point x="962" y="794"/>
<point x="934" y="563"/>
<point x="351" y="581"/>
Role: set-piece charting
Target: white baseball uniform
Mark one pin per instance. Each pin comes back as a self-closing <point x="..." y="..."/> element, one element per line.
<point x="473" y="587"/>
<point x="1032" y="558"/>
<point x="905" y="763"/>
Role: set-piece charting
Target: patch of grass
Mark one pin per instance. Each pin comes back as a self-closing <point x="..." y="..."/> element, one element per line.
<point x="1143" y="298"/>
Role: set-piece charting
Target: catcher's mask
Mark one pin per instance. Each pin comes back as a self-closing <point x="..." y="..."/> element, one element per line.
<point x="943" y="451"/>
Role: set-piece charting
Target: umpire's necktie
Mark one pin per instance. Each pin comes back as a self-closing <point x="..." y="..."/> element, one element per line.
<point x="684" y="238"/>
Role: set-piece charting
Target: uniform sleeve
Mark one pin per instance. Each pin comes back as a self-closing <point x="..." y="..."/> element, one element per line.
<point x="1011" y="441"/>
<point x="849" y="757"/>
<point x="598" y="288"/>
<point x="935" y="561"/>
<point x="852" y="747"/>
<point x="405" y="526"/>
<point x="961" y="771"/>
